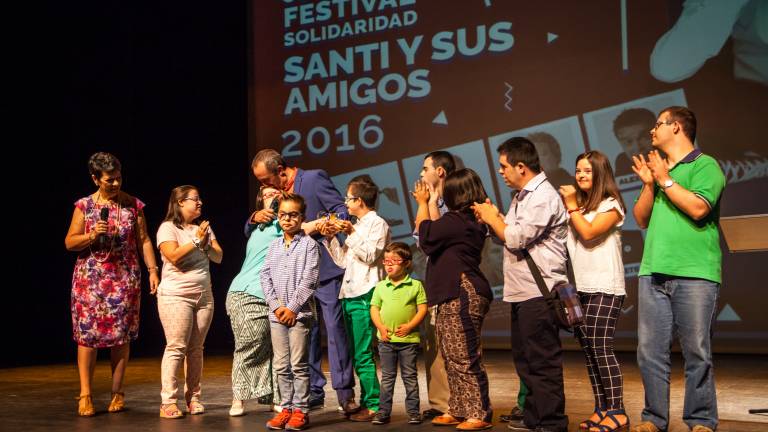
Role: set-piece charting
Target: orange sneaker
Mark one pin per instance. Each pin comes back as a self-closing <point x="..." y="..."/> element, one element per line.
<point x="279" y="421"/>
<point x="298" y="421"/>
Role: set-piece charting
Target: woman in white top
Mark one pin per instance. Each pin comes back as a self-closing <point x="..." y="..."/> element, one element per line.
<point x="596" y="212"/>
<point x="184" y="298"/>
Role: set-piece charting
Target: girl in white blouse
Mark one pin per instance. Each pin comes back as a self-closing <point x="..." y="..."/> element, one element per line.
<point x="596" y="212"/>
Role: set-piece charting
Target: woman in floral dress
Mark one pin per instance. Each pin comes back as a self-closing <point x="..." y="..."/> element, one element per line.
<point x="109" y="232"/>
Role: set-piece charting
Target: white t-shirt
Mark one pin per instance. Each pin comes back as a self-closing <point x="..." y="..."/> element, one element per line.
<point x="191" y="275"/>
<point x="597" y="264"/>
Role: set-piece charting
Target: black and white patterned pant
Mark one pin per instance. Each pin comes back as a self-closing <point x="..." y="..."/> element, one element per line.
<point x="601" y="311"/>
<point x="252" y="374"/>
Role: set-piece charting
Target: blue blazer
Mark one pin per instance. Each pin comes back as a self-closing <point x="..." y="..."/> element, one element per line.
<point x="320" y="195"/>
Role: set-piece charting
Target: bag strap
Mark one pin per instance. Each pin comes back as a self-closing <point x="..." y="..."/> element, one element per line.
<point x="536" y="273"/>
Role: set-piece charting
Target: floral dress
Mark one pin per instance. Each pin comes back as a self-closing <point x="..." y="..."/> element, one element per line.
<point x="106" y="284"/>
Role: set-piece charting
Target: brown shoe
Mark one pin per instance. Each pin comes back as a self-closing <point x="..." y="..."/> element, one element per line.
<point x="474" y="425"/>
<point x="445" y="420"/>
<point x="701" y="428"/>
<point x="118" y="402"/>
<point x="350" y="407"/>
<point x="364" y="415"/>
<point x="645" y="426"/>
<point x="85" y="406"/>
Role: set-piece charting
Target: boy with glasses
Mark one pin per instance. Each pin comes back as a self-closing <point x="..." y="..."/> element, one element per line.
<point x="289" y="279"/>
<point x="361" y="258"/>
<point x="398" y="306"/>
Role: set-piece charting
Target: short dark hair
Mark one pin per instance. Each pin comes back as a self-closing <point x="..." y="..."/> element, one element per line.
<point x="102" y="162"/>
<point x="296" y="198"/>
<point x="174" y="209"/>
<point x="633" y="117"/>
<point x="685" y="117"/>
<point x="403" y="251"/>
<point x="271" y="159"/>
<point x="441" y="158"/>
<point x="520" y="149"/>
<point x="364" y="188"/>
<point x="462" y="189"/>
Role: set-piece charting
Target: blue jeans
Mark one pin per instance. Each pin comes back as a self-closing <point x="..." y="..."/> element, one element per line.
<point x="406" y="354"/>
<point x="685" y="307"/>
<point x="290" y="351"/>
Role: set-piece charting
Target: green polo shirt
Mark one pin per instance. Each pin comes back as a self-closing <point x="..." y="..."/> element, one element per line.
<point x="677" y="245"/>
<point x="397" y="305"/>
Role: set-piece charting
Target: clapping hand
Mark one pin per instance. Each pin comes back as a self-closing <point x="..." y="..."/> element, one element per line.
<point x="569" y="196"/>
<point x="421" y="192"/>
<point x="485" y="212"/>
<point x="642" y="169"/>
<point x="204" y="233"/>
<point x="658" y="166"/>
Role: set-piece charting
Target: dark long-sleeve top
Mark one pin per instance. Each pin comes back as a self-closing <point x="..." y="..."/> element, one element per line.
<point x="454" y="244"/>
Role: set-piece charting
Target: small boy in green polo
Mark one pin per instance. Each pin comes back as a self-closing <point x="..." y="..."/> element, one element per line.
<point x="398" y="306"/>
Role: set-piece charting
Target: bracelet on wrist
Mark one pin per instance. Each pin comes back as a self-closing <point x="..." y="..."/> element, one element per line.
<point x="573" y="210"/>
<point x="153" y="268"/>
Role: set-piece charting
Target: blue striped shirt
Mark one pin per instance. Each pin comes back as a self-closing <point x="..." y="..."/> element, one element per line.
<point x="289" y="276"/>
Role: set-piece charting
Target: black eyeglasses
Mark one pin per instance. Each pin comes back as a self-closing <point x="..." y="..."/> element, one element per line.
<point x="289" y="215"/>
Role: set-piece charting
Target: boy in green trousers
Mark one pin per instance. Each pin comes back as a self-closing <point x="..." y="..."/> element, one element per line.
<point x="361" y="257"/>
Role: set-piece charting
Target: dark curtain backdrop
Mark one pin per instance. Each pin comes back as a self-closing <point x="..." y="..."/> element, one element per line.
<point x="162" y="85"/>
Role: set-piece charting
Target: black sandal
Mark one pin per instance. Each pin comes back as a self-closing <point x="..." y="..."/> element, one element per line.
<point x="588" y="423"/>
<point x="617" y="426"/>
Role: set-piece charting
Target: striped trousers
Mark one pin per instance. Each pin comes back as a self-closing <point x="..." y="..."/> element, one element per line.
<point x="252" y="374"/>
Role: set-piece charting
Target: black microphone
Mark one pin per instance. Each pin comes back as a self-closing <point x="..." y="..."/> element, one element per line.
<point x="274" y="206"/>
<point x="104" y="217"/>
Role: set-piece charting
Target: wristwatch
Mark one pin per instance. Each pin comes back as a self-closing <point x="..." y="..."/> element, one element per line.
<point x="667" y="184"/>
<point x="196" y="242"/>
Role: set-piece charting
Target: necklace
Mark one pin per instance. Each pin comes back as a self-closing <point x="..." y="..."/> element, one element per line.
<point x="111" y="237"/>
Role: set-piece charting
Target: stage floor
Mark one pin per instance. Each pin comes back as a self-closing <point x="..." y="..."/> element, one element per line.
<point x="43" y="397"/>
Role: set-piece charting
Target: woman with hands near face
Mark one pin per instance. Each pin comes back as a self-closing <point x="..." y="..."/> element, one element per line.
<point x="184" y="297"/>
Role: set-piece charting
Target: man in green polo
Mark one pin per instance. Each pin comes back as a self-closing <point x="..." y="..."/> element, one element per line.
<point x="680" y="271"/>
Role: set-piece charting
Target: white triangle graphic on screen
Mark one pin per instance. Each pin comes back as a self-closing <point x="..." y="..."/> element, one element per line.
<point x="551" y="37"/>
<point x="728" y="314"/>
<point x="440" y="119"/>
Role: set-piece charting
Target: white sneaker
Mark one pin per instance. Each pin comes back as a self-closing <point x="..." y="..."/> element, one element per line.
<point x="238" y="408"/>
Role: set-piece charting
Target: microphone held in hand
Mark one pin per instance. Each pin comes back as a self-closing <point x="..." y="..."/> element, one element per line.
<point x="104" y="216"/>
<point x="274" y="207"/>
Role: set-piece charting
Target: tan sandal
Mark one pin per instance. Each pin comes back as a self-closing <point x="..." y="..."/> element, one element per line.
<point x="194" y="407"/>
<point x="118" y="402"/>
<point x="170" y="411"/>
<point x="85" y="406"/>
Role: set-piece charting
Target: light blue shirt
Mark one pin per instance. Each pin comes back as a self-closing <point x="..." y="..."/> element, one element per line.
<point x="249" y="278"/>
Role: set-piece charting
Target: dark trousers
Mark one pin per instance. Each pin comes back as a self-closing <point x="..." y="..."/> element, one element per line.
<point x="339" y="359"/>
<point x="392" y="353"/>
<point x="539" y="362"/>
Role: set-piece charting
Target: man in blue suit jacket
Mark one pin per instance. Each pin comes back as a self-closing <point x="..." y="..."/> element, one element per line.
<point x="320" y="195"/>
